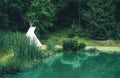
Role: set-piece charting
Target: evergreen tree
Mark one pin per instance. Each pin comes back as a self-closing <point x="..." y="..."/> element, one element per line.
<point x="117" y="32"/>
<point x="60" y="4"/>
<point x="42" y="12"/>
<point x="11" y="14"/>
<point x="99" y="18"/>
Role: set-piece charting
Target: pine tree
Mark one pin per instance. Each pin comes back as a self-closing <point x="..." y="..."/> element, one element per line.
<point x="99" y="18"/>
<point x="11" y="14"/>
<point x="42" y="12"/>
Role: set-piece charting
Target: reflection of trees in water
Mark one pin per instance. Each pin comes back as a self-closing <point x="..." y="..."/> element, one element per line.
<point x="73" y="60"/>
<point x="102" y="66"/>
<point x="72" y="66"/>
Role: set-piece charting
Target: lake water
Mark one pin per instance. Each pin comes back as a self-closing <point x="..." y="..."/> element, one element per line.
<point x="71" y="66"/>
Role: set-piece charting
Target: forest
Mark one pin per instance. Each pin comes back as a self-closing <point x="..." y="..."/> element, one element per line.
<point x="75" y="39"/>
<point x="86" y="18"/>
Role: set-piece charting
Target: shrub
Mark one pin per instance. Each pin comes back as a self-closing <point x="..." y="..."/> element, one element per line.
<point x="12" y="66"/>
<point x="70" y="45"/>
<point x="50" y="49"/>
<point x="81" y="46"/>
<point x="59" y="50"/>
<point x="50" y="46"/>
<point x="77" y="31"/>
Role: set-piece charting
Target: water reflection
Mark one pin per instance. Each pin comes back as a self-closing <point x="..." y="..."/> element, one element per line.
<point x="70" y="66"/>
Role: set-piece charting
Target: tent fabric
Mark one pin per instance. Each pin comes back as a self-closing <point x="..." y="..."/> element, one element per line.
<point x="33" y="38"/>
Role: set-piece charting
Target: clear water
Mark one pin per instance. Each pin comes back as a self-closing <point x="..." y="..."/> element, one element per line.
<point x="70" y="66"/>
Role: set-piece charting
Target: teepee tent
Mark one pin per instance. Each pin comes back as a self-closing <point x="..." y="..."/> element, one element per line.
<point x="31" y="35"/>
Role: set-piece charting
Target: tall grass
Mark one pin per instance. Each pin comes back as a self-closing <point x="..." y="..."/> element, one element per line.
<point x="51" y="46"/>
<point x="20" y="45"/>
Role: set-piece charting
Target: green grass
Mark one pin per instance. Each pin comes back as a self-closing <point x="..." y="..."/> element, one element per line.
<point x="62" y="34"/>
<point x="107" y="49"/>
<point x="57" y="37"/>
<point x="16" y="52"/>
<point x="5" y="58"/>
<point x="107" y="45"/>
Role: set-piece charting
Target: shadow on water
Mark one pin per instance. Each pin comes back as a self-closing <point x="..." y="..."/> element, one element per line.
<point x="80" y="66"/>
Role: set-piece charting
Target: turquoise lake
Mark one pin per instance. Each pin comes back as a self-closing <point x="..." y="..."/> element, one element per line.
<point x="72" y="66"/>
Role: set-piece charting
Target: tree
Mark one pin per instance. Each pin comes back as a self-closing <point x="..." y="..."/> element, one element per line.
<point x="60" y="4"/>
<point x="99" y="18"/>
<point x="77" y="28"/>
<point x="11" y="14"/>
<point x="43" y="13"/>
<point x="4" y="21"/>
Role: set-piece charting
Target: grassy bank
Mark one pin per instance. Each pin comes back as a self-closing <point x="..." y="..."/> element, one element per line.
<point x="107" y="49"/>
<point x="105" y="45"/>
<point x="16" y="53"/>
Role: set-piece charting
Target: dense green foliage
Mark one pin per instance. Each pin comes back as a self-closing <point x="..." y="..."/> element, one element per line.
<point x="42" y="12"/>
<point x="99" y="20"/>
<point x="70" y="45"/>
<point x="81" y="46"/>
<point x="16" y="52"/>
<point x="94" y="19"/>
<point x="12" y="13"/>
<point x="12" y="66"/>
<point x="19" y="45"/>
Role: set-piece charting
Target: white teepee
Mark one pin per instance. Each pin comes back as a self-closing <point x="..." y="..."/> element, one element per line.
<point x="31" y="35"/>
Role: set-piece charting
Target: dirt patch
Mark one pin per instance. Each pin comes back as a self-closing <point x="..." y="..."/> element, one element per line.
<point x="104" y="43"/>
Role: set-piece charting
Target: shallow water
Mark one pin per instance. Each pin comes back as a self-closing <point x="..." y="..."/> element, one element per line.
<point x="70" y="66"/>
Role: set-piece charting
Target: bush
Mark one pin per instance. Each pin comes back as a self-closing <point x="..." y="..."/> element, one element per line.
<point x="12" y="66"/>
<point x="50" y="46"/>
<point x="81" y="46"/>
<point x="77" y="31"/>
<point x="72" y="45"/>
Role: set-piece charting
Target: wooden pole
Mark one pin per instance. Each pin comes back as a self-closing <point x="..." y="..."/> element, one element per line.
<point x="31" y="22"/>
